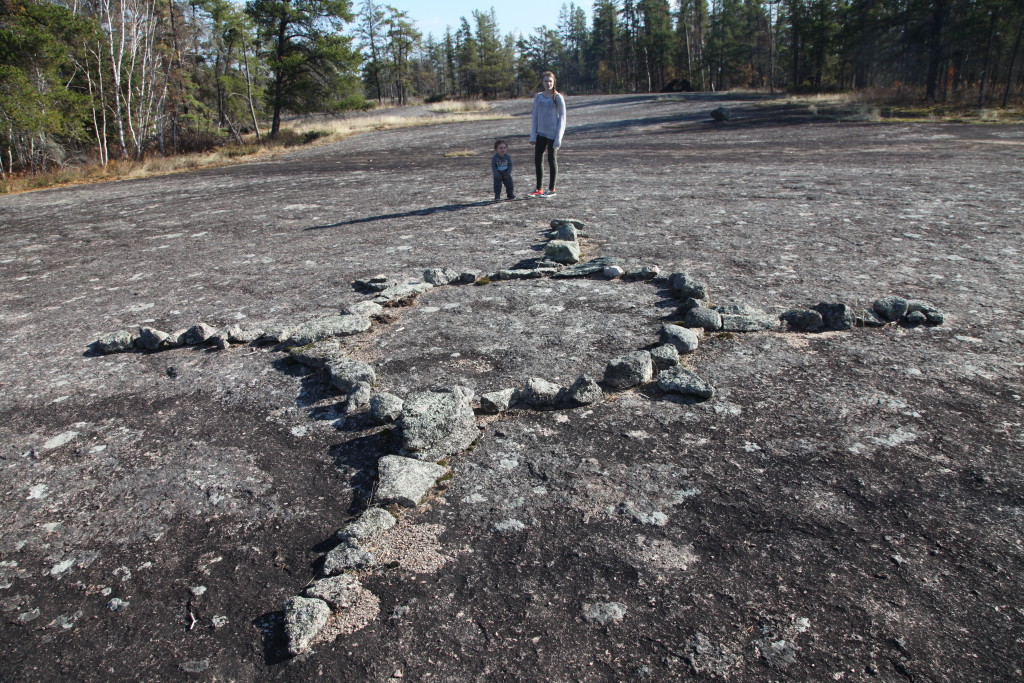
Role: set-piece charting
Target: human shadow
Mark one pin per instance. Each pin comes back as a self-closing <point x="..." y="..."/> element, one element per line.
<point x="405" y="214"/>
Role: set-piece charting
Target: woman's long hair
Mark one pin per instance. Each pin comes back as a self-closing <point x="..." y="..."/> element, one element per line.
<point x="554" y="82"/>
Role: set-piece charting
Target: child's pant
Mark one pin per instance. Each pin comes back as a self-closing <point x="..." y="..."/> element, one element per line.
<point x="507" y="181"/>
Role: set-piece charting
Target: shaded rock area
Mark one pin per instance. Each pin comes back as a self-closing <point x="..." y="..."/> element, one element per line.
<point x="840" y="508"/>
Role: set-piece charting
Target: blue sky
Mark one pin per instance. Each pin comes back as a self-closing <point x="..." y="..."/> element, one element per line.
<point x="514" y="16"/>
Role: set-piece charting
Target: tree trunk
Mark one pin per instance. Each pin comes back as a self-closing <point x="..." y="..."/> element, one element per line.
<point x="1013" y="62"/>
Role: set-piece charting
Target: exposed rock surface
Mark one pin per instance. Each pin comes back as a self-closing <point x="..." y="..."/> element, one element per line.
<point x="405" y="481"/>
<point x="437" y="424"/>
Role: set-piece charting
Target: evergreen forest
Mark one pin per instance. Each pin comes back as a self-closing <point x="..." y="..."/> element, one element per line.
<point x="93" y="81"/>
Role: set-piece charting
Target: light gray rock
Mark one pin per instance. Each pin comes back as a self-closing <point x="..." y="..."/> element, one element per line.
<point x="339" y="592"/>
<point x="377" y="283"/>
<point x="705" y="318"/>
<point x="385" y="407"/>
<point x="800" y="320"/>
<point x="584" y="391"/>
<point x="517" y="274"/>
<point x="664" y="357"/>
<point x="366" y="309"/>
<point x="404" y="481"/>
<point x="683" y="338"/>
<point x="687" y="287"/>
<point x="116" y="342"/>
<point x="891" y="308"/>
<point x="440" y="276"/>
<point x="327" y="327"/>
<point x="348" y="373"/>
<point x="744" y="318"/>
<point x="277" y="334"/>
<point x="680" y="380"/>
<point x="604" y="613"/>
<point x="304" y="618"/>
<point x="590" y="267"/>
<point x="359" y="398"/>
<point x="497" y="401"/>
<point x="629" y="370"/>
<point x="240" y="335"/>
<point x="373" y="521"/>
<point x="562" y="251"/>
<point x="566" y="231"/>
<point x="574" y="222"/>
<point x="175" y="339"/>
<point x="539" y="393"/>
<point x="319" y="354"/>
<point x="199" y="334"/>
<point x="612" y="272"/>
<point x="403" y="293"/>
<point x="437" y="424"/>
<point x="150" y="338"/>
<point x="347" y="556"/>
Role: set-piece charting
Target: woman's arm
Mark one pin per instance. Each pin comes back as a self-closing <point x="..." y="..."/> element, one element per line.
<point x="560" y="104"/>
<point x="533" y="123"/>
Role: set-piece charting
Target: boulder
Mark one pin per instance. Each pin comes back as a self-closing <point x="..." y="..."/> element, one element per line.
<point x="440" y="276"/>
<point x="348" y="373"/>
<point x="933" y="316"/>
<point x="680" y="380"/>
<point x="721" y="114"/>
<point x="358" y="398"/>
<point x="705" y="318"/>
<point x="347" y="556"/>
<point x="744" y="318"/>
<point x="116" y="342"/>
<point x="199" y="334"/>
<point x="385" y="407"/>
<point x="372" y="522"/>
<point x="836" y="316"/>
<point x="664" y="357"/>
<point x="539" y="393"/>
<point x="404" y="481"/>
<point x="304" y="618"/>
<point x="801" y="320"/>
<point x="339" y="592"/>
<point x="629" y="370"/>
<point x="497" y="401"/>
<point x="327" y="327"/>
<point x="562" y="251"/>
<point x="590" y="267"/>
<point x="890" y="308"/>
<point x="402" y="294"/>
<point x="687" y="287"/>
<point x="584" y="391"/>
<point x="612" y="272"/>
<point x="150" y="338"/>
<point x="437" y="424"/>
<point x="684" y="339"/>
<point x="366" y="309"/>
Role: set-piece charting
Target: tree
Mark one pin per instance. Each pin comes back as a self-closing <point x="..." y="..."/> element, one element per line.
<point x="370" y="31"/>
<point x="313" y="67"/>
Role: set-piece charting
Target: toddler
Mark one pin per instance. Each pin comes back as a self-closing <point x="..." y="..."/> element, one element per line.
<point x="501" y="169"/>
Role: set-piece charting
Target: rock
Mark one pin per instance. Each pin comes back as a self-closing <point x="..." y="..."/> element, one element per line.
<point x="327" y="327"/>
<point x="566" y="231"/>
<point x="385" y="407"/>
<point x="933" y="316"/>
<point x="150" y="338"/>
<point x="684" y="339"/>
<point x="687" y="287"/>
<point x="721" y="114"/>
<point x="437" y="424"/>
<point x="319" y="354"/>
<point x="347" y="374"/>
<point x="358" y="398"/>
<point x="558" y="222"/>
<point x="612" y="272"/>
<point x="404" y="481"/>
<point x="649" y="272"/>
<point x="664" y="357"/>
<point x="705" y="318"/>
<point x="778" y="654"/>
<point x="175" y="339"/>
<point x="562" y="251"/>
<point x="801" y="320"/>
<point x="117" y="605"/>
<point x="198" y="334"/>
<point x="277" y="335"/>
<point x="339" y="592"/>
<point x="914" y="318"/>
<point x="509" y="526"/>
<point x="440" y="276"/>
<point x="347" y="556"/>
<point x="304" y="618"/>
<point x="468" y="277"/>
<point x="373" y="521"/>
<point x="629" y="370"/>
<point x="517" y="274"/>
<point x="590" y="267"/>
<point x="239" y="335"/>
<point x="604" y="613"/>
<point x="836" y="316"/>
<point x="377" y="283"/>
<point x="115" y="342"/>
<point x="366" y="309"/>
<point x="869" y="318"/>
<point x="539" y="393"/>
<point x="680" y="380"/>
<point x="584" y="391"/>
<point x="744" y="318"/>
<point x="399" y="295"/>
<point x="890" y="308"/>
<point x="497" y="401"/>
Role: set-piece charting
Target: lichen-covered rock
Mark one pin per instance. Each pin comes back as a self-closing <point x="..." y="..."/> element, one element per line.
<point x="933" y="316"/>
<point x="744" y="318"/>
<point x="358" y="398"/>
<point x="497" y="401"/>
<point x="890" y="308"/>
<point x="376" y="283"/>
<point x="304" y="618"/>
<point x="385" y="407"/>
<point x="244" y="335"/>
<point x="604" y="613"/>
<point x="539" y="393"/>
<point x="836" y="316"/>
<point x="150" y="338"/>
<point x="687" y="287"/>
<point x="339" y="592"/>
<point x="584" y="391"/>
<point x="801" y="320"/>
<point x="318" y="355"/>
<point x="683" y="338"/>
<point x="199" y="334"/>
<point x="566" y="231"/>
<point x="562" y="251"/>
<point x="869" y="318"/>
<point x="348" y="373"/>
<point x="629" y="370"/>
<point x="664" y="357"/>
<point x="373" y="521"/>
<point x="404" y="481"/>
<point x="327" y="327"/>
<point x="366" y="309"/>
<point x="437" y="424"/>
<point x="347" y="556"/>
<point x="440" y="276"/>
<point x="680" y="380"/>
<point x="705" y="318"/>
<point x="401" y="294"/>
<point x="590" y="267"/>
<point x="116" y="342"/>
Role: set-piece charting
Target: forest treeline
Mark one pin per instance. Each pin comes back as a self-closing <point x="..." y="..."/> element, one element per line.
<point x="97" y="80"/>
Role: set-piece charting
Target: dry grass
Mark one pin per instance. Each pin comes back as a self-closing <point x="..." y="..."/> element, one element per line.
<point x="309" y="132"/>
<point x="460" y="107"/>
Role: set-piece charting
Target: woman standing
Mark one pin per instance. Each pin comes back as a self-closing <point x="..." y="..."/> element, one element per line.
<point x="546" y="132"/>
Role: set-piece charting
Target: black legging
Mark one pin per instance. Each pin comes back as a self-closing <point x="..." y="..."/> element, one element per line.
<point x="548" y="144"/>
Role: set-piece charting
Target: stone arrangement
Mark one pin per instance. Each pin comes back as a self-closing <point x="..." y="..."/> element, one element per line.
<point x="431" y="427"/>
